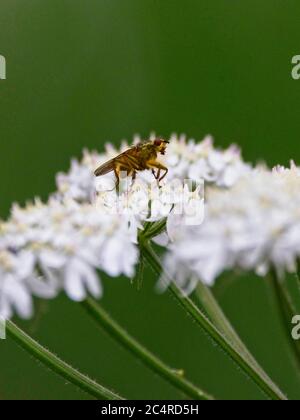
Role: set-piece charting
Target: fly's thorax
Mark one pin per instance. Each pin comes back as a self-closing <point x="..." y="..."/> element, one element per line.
<point x="148" y="153"/>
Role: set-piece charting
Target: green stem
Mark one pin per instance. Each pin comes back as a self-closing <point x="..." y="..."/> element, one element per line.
<point x="175" y="377"/>
<point x="215" y="313"/>
<point x="297" y="274"/>
<point x="217" y="316"/>
<point x="209" y="303"/>
<point x="155" y="229"/>
<point x="58" y="366"/>
<point x="287" y="311"/>
<point x="219" y="338"/>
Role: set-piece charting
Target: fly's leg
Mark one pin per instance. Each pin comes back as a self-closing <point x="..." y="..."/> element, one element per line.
<point x="117" y="185"/>
<point x="129" y="172"/>
<point x="156" y="174"/>
<point x="153" y="173"/>
<point x="165" y="174"/>
<point x="159" y="167"/>
<point x="133" y="178"/>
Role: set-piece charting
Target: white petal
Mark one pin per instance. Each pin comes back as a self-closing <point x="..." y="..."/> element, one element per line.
<point x="51" y="259"/>
<point x="24" y="264"/>
<point x="18" y="296"/>
<point x="110" y="258"/>
<point x="72" y="282"/>
<point x="44" y="287"/>
<point x="162" y="239"/>
<point x="79" y="276"/>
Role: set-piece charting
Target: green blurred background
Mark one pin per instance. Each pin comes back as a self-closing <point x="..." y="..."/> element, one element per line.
<point x="81" y="72"/>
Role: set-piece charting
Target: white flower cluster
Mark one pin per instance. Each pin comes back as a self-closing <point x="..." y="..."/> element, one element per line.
<point x="255" y="225"/>
<point x="86" y="227"/>
<point x="45" y="248"/>
<point x="185" y="159"/>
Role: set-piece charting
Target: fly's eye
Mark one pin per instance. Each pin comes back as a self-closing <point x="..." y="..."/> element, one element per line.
<point x="157" y="142"/>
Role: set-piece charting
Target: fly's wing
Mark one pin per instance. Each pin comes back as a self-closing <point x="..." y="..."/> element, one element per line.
<point x="123" y="159"/>
<point x="105" y="168"/>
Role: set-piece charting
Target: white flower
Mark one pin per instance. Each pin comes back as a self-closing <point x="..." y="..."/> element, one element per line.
<point x="118" y="256"/>
<point x="87" y="228"/>
<point x="185" y="159"/>
<point x="80" y="277"/>
<point x="78" y="183"/>
<point x="66" y="243"/>
<point x="253" y="226"/>
<point x="14" y="294"/>
<point x="189" y="211"/>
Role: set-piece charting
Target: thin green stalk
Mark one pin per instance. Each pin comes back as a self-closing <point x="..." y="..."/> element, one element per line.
<point x="217" y="316"/>
<point x="175" y="377"/>
<point x="287" y="311"/>
<point x="58" y="366"/>
<point x="265" y="385"/>
<point x="138" y="277"/>
<point x="210" y="304"/>
<point x="155" y="229"/>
